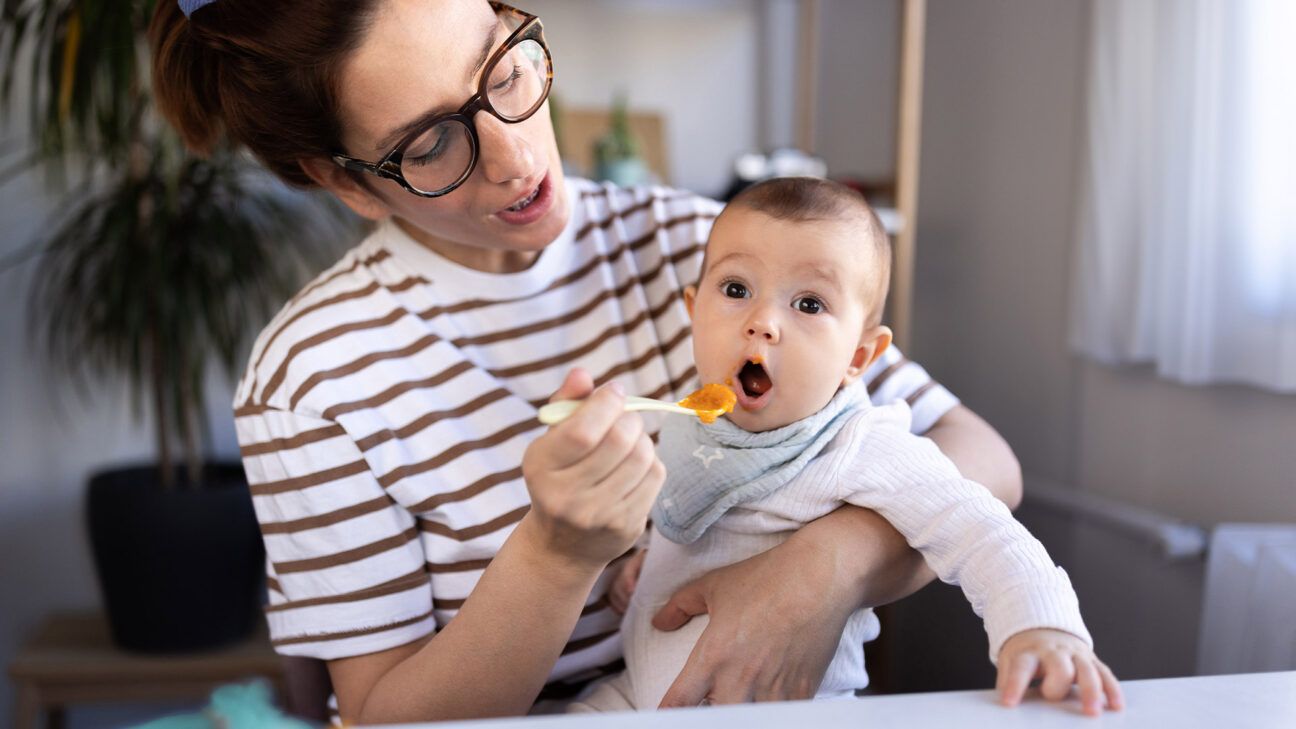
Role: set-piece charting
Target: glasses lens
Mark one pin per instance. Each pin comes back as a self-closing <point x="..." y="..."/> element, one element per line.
<point x="519" y="81"/>
<point x="438" y="157"/>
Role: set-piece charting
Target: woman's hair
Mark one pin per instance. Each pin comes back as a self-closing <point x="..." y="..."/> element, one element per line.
<point x="263" y="73"/>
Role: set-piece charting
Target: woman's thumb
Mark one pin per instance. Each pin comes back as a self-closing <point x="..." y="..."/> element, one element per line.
<point x="577" y="386"/>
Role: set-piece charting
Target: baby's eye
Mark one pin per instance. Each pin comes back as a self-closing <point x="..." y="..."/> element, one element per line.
<point x="735" y="290"/>
<point x="808" y="305"/>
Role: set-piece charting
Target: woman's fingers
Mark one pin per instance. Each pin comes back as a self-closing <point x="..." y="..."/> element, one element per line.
<point x="1016" y="676"/>
<point x="587" y="431"/>
<point x="1059" y="674"/>
<point x="687" y="603"/>
<point x="1086" y="677"/>
<point x="692" y="686"/>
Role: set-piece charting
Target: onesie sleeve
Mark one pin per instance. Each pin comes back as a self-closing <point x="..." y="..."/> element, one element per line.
<point x="967" y="536"/>
<point x="346" y="572"/>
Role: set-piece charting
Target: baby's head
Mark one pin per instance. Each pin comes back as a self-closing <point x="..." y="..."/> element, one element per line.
<point x="789" y="304"/>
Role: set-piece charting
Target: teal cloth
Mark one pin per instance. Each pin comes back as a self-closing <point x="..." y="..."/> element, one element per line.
<point x="234" y="706"/>
<point x="713" y="468"/>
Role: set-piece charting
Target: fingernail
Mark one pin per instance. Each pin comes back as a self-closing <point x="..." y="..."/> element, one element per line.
<point x="617" y="387"/>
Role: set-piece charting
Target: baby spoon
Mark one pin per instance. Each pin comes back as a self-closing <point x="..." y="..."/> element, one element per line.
<point x="707" y="404"/>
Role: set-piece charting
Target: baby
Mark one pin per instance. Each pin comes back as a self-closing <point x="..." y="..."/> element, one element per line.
<point x="787" y="312"/>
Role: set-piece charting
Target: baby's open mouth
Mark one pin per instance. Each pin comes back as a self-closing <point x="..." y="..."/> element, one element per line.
<point x="754" y="379"/>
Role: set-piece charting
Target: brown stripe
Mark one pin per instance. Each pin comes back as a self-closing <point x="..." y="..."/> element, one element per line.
<point x="270" y="488"/>
<point x="273" y="584"/>
<point x="570" y="278"/>
<point x="297" y="441"/>
<point x="583" y="643"/>
<point x="359" y="293"/>
<point x="246" y="410"/>
<point x="379" y="256"/>
<point x="396" y="391"/>
<point x="354" y="366"/>
<point x="441" y="568"/>
<point x="563" y="690"/>
<point x="472" y="532"/>
<point x="446" y="605"/>
<point x="417" y="578"/>
<point x="623" y="328"/>
<point x="319" y="338"/>
<point x="885" y="374"/>
<point x="641" y="281"/>
<point x="469" y="491"/>
<point x="350" y="633"/>
<point x="920" y="392"/>
<point x="426" y="421"/>
<point x="333" y="517"/>
<point x="614" y="217"/>
<point x="348" y="556"/>
<point x="680" y="337"/>
<point x="395" y="475"/>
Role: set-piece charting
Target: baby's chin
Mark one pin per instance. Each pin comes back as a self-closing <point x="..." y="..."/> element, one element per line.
<point x="771" y="417"/>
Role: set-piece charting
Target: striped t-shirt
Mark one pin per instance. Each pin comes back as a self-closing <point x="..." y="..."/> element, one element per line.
<point x="385" y="410"/>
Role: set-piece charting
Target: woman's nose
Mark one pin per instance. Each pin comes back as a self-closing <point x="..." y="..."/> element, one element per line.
<point x="505" y="153"/>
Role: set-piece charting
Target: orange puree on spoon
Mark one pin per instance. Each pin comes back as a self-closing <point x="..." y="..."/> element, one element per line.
<point x="711" y="402"/>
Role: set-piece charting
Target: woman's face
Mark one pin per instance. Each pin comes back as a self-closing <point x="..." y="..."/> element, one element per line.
<point x="422" y="56"/>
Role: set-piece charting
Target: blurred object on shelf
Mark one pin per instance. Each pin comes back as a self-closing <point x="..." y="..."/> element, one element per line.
<point x="579" y="129"/>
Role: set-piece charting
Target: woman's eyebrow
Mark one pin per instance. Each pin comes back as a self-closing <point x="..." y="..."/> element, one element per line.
<point x="427" y="116"/>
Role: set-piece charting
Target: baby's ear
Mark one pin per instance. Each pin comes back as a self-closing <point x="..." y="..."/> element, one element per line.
<point x="871" y="346"/>
<point x="690" y="298"/>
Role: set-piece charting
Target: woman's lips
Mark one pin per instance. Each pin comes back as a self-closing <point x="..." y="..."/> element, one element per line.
<point x="542" y="199"/>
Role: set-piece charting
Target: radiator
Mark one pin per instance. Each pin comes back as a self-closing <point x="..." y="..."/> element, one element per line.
<point x="1249" y="611"/>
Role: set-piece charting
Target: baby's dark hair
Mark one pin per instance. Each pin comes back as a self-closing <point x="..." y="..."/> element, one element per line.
<point x="806" y="199"/>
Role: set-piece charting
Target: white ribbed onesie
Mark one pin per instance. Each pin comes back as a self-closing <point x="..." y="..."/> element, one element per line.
<point x="965" y="534"/>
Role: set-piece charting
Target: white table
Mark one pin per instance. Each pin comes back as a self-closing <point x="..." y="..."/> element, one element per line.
<point x="1210" y="702"/>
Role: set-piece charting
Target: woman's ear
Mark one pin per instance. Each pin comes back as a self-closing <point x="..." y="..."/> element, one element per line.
<point x="344" y="187"/>
<point x="871" y="346"/>
<point x="690" y="298"/>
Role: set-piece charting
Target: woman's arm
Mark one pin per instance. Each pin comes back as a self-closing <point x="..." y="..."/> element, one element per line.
<point x="491" y="660"/>
<point x="776" y="618"/>
<point x="592" y="480"/>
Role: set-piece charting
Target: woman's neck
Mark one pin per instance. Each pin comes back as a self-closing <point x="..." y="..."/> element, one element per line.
<point x="478" y="259"/>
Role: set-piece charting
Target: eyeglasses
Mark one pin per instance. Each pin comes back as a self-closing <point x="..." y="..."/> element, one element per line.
<point x="440" y="155"/>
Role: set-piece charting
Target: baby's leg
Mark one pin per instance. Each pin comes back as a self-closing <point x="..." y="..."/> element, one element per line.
<point x="610" y="694"/>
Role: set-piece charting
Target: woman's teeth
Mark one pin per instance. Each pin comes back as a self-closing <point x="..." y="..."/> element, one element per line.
<point x="525" y="201"/>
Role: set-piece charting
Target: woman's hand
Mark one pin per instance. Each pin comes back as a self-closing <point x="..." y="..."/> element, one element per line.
<point x="1061" y="659"/>
<point x="627" y="579"/>
<point x="593" y="477"/>
<point x="776" y="620"/>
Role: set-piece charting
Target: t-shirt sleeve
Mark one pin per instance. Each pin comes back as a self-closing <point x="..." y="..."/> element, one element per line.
<point x="893" y="377"/>
<point x="966" y="535"/>
<point x="346" y="572"/>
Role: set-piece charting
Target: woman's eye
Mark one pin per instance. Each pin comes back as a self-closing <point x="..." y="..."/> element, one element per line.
<point x="735" y="290"/>
<point x="808" y="305"/>
<point x="432" y="155"/>
<point x="508" y="80"/>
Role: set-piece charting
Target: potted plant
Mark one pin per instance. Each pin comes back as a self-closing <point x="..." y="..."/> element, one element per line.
<point x="156" y="270"/>
<point x="616" y="153"/>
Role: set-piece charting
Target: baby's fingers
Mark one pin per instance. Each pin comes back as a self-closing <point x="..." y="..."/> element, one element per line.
<point x="1115" y="699"/>
<point x="1015" y="677"/>
<point x="1090" y="684"/>
<point x="1059" y="674"/>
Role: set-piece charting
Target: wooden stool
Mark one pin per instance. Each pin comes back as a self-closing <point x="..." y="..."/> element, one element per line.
<point x="71" y="659"/>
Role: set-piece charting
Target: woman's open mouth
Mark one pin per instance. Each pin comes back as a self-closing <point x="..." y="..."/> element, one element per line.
<point x="531" y="206"/>
<point x="754" y="385"/>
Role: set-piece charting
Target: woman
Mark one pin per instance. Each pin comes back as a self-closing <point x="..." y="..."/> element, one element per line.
<point x="387" y="417"/>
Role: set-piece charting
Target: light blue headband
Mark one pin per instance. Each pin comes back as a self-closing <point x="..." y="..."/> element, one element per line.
<point x="188" y="6"/>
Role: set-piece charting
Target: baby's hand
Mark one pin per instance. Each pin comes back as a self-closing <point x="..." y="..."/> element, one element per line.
<point x="1060" y="659"/>
<point x="624" y="584"/>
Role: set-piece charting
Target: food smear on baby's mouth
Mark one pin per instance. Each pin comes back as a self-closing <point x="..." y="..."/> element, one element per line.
<point x="710" y="402"/>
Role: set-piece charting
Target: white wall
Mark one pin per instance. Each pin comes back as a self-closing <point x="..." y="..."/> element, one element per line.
<point x="694" y="62"/>
<point x="1002" y="132"/>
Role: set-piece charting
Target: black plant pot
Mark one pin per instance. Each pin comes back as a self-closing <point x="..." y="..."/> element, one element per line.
<point x="181" y="569"/>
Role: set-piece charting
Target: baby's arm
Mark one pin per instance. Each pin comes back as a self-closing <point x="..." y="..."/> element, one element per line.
<point x="1031" y="613"/>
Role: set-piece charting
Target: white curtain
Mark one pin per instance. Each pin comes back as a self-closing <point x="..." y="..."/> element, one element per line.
<point x="1186" y="228"/>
